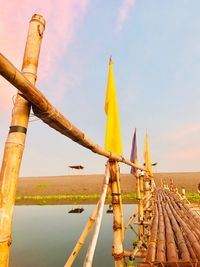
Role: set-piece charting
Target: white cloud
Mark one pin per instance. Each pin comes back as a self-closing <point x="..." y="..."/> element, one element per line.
<point x="123" y="13"/>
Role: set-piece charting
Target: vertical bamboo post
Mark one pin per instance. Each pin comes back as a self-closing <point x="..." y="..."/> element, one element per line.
<point x="14" y="145"/>
<point x="118" y="252"/>
<point x="141" y="206"/>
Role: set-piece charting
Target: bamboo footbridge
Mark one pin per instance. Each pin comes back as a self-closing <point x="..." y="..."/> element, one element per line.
<point x="168" y="229"/>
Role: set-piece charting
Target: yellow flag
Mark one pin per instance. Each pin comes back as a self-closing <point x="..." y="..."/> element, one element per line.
<point x="147" y="158"/>
<point x="113" y="141"/>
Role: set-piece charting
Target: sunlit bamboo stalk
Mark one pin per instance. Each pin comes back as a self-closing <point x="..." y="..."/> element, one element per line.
<point x="93" y="241"/>
<point x="139" y="184"/>
<point x="172" y="255"/>
<point x="151" y="253"/>
<point x="160" y="252"/>
<point x="118" y="252"/>
<point x="14" y="146"/>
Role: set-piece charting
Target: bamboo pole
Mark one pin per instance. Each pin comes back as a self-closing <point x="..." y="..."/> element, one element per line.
<point x="93" y="241"/>
<point x="147" y="191"/>
<point x="186" y="214"/>
<point x="185" y="256"/>
<point x="121" y="208"/>
<point x="151" y="253"/>
<point x="139" y="254"/>
<point x="14" y="145"/>
<point x="141" y="205"/>
<point x="172" y="254"/>
<point x="135" y="213"/>
<point x="160" y="252"/>
<point x="190" y="235"/>
<point x="50" y="115"/>
<point x="118" y="252"/>
<point x="147" y="210"/>
<point x="190" y="249"/>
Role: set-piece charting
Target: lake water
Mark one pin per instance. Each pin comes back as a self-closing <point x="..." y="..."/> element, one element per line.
<point x="44" y="236"/>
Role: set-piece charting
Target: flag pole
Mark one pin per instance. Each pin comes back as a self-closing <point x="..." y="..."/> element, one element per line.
<point x="15" y="142"/>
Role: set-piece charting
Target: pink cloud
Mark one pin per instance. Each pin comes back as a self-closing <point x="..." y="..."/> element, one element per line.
<point x="123" y="13"/>
<point x="183" y="132"/>
<point x="188" y="154"/>
<point x="62" y="22"/>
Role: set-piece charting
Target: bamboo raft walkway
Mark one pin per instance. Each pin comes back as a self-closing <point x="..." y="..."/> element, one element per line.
<point x="168" y="229"/>
<point x="175" y="232"/>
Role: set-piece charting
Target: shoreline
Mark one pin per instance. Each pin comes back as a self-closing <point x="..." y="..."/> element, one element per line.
<point x="69" y="199"/>
<point x="78" y="189"/>
<point x="84" y="199"/>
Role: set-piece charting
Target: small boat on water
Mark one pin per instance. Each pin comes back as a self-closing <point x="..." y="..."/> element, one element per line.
<point x="76" y="210"/>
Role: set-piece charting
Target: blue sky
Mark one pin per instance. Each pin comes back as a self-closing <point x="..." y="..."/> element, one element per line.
<point x="155" y="47"/>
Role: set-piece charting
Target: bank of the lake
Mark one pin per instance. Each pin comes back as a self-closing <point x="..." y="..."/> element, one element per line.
<point x="69" y="189"/>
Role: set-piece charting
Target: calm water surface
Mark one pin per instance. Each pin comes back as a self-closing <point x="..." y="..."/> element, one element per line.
<point x="44" y="236"/>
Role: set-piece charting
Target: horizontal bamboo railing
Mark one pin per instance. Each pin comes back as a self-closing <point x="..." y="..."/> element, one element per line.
<point x="44" y="110"/>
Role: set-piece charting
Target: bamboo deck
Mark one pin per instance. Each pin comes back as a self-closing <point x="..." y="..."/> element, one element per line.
<point x="175" y="232"/>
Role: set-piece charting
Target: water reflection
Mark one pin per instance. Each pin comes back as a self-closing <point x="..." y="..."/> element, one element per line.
<point x="44" y="236"/>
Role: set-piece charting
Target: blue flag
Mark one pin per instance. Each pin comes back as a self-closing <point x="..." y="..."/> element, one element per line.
<point x="133" y="157"/>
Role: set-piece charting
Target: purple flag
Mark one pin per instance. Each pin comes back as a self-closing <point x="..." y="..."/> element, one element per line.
<point x="133" y="157"/>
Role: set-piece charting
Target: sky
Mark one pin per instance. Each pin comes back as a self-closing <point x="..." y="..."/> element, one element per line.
<point x="155" y="46"/>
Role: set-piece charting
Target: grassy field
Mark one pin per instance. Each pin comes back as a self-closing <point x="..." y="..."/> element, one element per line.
<point x="87" y="188"/>
<point x="90" y="199"/>
<point x="69" y="199"/>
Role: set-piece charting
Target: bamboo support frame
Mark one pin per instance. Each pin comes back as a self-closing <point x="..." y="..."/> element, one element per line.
<point x="50" y="115"/>
<point x="93" y="241"/>
<point x="118" y="252"/>
<point x="135" y="212"/>
<point x="132" y="217"/>
<point x="136" y="249"/>
<point x="139" y="254"/>
<point x="14" y="145"/>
